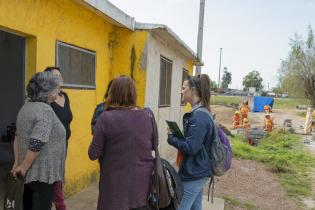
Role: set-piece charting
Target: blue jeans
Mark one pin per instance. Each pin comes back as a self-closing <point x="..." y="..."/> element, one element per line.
<point x="192" y="195"/>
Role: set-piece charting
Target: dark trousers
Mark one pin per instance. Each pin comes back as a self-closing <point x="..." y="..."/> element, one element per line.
<point x="38" y="196"/>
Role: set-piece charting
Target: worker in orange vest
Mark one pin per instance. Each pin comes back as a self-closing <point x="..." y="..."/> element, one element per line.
<point x="244" y="110"/>
<point x="236" y="119"/>
<point x="246" y="124"/>
<point x="267" y="109"/>
<point x="268" y="123"/>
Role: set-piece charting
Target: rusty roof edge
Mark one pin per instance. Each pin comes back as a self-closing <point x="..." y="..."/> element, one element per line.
<point x="120" y="18"/>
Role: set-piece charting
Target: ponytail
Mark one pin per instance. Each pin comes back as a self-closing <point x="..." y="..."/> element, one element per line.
<point x="202" y="85"/>
<point x="205" y="91"/>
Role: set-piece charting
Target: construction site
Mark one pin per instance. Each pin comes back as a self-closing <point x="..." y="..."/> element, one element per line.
<point x="254" y="183"/>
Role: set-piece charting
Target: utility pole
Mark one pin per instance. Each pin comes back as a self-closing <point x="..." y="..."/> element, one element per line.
<point x="219" y="68"/>
<point x="200" y="34"/>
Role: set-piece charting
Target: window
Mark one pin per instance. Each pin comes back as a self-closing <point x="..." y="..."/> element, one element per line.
<point x="184" y="76"/>
<point x="77" y="65"/>
<point x="165" y="82"/>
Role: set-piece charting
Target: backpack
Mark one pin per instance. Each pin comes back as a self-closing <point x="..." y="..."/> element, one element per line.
<point x="220" y="152"/>
<point x="227" y="152"/>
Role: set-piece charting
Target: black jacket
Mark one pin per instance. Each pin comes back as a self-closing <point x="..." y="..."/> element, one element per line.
<point x="100" y="108"/>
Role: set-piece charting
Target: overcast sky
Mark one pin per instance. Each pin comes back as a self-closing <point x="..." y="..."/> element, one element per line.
<point x="254" y="34"/>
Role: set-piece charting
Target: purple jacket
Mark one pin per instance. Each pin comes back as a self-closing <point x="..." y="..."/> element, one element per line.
<point x="123" y="143"/>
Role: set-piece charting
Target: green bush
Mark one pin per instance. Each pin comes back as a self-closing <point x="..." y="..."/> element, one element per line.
<point x="225" y="100"/>
<point x="289" y="103"/>
<point x="285" y="155"/>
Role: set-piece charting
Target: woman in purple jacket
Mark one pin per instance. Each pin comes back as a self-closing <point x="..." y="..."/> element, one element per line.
<point x="122" y="142"/>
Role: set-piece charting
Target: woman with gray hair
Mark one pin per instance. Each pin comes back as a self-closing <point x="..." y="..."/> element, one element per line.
<point x="41" y="143"/>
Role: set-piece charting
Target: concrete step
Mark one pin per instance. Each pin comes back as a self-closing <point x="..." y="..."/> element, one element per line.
<point x="218" y="204"/>
<point x="86" y="199"/>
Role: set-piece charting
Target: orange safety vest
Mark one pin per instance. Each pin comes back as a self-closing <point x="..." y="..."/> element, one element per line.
<point x="268" y="124"/>
<point x="244" y="109"/>
<point x="267" y="108"/>
<point x="236" y="119"/>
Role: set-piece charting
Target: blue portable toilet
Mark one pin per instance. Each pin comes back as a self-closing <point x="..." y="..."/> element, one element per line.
<point x="260" y="102"/>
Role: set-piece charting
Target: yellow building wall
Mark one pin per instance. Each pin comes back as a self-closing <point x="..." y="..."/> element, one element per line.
<point x="123" y="57"/>
<point x="118" y="51"/>
<point x="43" y="22"/>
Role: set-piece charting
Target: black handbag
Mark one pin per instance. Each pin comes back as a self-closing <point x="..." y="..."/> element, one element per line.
<point x="159" y="196"/>
<point x="13" y="196"/>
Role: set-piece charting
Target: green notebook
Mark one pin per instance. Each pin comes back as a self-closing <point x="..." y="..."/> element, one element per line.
<point x="174" y="129"/>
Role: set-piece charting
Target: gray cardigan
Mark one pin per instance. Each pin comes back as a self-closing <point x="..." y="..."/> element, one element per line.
<point x="37" y="120"/>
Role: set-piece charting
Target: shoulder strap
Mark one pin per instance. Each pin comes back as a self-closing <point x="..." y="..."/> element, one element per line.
<point x="155" y="142"/>
<point x="155" y="136"/>
<point x="215" y="123"/>
<point x="202" y="109"/>
<point x="211" y="187"/>
<point x="211" y="183"/>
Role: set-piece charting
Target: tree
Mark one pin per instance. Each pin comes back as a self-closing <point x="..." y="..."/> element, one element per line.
<point x="288" y="82"/>
<point x="299" y="68"/>
<point x="253" y="79"/>
<point x="277" y="90"/>
<point x="213" y="85"/>
<point x="226" y="78"/>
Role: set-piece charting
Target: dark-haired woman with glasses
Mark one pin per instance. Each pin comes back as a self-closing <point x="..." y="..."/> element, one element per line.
<point x="61" y="107"/>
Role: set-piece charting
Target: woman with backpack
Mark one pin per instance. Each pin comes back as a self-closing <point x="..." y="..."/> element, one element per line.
<point x="195" y="166"/>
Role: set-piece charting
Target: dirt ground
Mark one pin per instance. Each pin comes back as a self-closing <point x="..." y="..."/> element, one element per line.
<point x="249" y="181"/>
